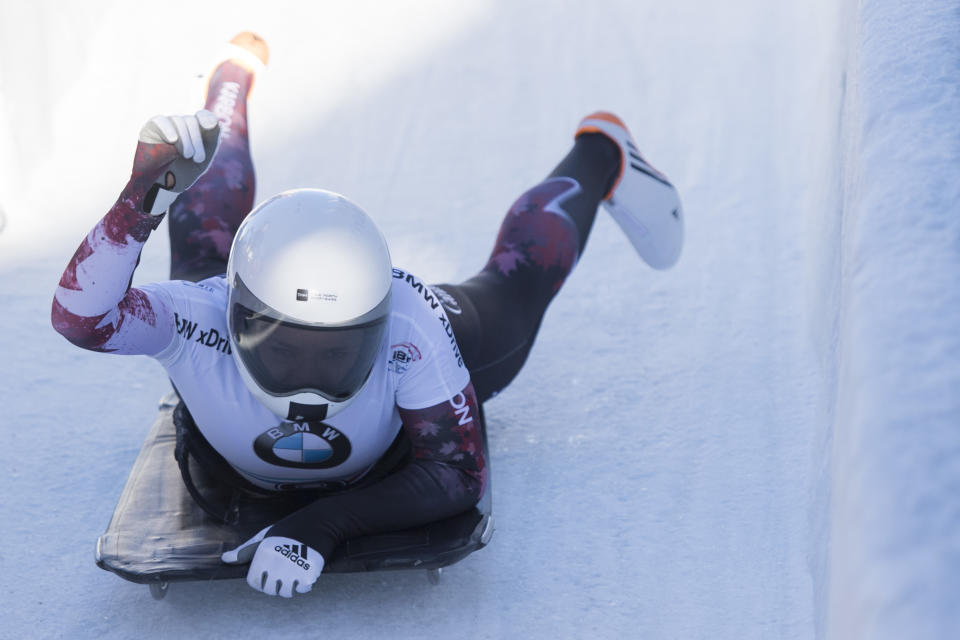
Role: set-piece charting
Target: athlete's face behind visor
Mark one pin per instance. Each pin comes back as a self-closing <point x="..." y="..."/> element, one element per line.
<point x="287" y="358"/>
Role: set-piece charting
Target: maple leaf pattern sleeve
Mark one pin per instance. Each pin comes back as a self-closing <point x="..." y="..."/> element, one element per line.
<point x="94" y="306"/>
<point x="449" y="434"/>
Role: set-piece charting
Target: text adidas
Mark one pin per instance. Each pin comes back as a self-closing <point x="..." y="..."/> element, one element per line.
<point x="292" y="557"/>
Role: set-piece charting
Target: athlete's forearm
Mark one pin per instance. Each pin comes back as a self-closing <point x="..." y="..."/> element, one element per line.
<point x="416" y="495"/>
<point x="94" y="306"/>
<point x="447" y="477"/>
<point x="94" y="302"/>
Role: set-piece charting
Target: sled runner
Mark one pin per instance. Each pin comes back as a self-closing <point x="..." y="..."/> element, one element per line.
<point x="159" y="534"/>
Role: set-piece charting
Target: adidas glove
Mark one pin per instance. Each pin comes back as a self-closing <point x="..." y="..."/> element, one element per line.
<point x="280" y="566"/>
<point x="173" y="153"/>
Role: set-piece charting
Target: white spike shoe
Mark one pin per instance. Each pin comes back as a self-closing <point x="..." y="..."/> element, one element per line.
<point x="642" y="200"/>
<point x="248" y="50"/>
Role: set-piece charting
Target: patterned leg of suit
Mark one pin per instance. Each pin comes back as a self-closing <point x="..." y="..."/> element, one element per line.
<point x="496" y="313"/>
<point x="204" y="220"/>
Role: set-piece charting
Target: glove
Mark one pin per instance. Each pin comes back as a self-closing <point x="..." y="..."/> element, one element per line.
<point x="280" y="565"/>
<point x="173" y="153"/>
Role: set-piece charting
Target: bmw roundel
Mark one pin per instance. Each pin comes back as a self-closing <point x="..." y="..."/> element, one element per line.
<point x="303" y="445"/>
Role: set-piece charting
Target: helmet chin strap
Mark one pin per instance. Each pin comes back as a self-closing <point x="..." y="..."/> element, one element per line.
<point x="307" y="412"/>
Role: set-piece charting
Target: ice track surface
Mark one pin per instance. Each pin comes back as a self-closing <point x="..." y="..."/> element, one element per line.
<point x="672" y="461"/>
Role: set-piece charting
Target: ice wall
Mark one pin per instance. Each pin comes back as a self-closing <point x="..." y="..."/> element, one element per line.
<point x="894" y="554"/>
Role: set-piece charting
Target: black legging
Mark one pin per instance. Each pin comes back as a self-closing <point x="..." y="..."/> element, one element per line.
<point x="496" y="313"/>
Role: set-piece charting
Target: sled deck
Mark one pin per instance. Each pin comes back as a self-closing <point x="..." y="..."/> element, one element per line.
<point x="158" y="534"/>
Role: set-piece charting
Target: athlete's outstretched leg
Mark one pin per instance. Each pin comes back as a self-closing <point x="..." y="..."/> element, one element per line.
<point x="204" y="220"/>
<point x="539" y="242"/>
<point x="496" y="314"/>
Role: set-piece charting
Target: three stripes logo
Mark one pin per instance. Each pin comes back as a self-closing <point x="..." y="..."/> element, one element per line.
<point x="288" y="549"/>
<point x="639" y="164"/>
<point x="295" y="553"/>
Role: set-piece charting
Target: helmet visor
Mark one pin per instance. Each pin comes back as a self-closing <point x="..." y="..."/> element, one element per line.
<point x="287" y="357"/>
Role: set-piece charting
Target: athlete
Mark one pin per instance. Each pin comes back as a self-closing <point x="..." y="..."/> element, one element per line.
<point x="304" y="358"/>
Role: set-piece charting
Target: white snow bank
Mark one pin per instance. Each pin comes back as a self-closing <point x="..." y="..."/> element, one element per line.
<point x="894" y="567"/>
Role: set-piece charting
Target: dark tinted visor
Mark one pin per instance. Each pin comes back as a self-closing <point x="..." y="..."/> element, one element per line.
<point x="287" y="357"/>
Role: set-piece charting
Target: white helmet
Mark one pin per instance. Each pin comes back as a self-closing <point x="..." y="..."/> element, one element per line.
<point x="309" y="278"/>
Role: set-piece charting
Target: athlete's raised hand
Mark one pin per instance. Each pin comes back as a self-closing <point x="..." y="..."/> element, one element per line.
<point x="173" y="153"/>
<point x="279" y="566"/>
